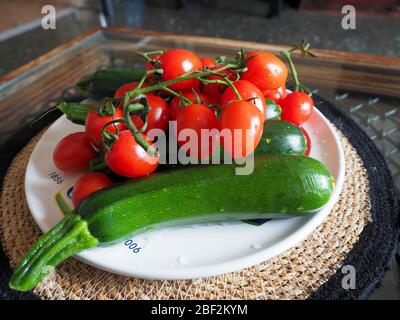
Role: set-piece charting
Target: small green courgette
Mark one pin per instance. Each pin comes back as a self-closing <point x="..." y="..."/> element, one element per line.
<point x="281" y="137"/>
<point x="104" y="83"/>
<point x="279" y="187"/>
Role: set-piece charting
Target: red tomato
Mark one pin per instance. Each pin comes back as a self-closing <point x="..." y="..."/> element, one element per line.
<point x="94" y="123"/>
<point x="127" y="158"/>
<point x="244" y="116"/>
<point x="198" y="117"/>
<point x="265" y="70"/>
<point x="216" y="99"/>
<point x="215" y="90"/>
<point x="74" y="152"/>
<point x="207" y="62"/>
<point x="158" y="116"/>
<point x="308" y="142"/>
<point x="175" y="106"/>
<point x="247" y="91"/>
<point x="275" y="94"/>
<point x="297" y="107"/>
<point x="128" y="87"/>
<point x="87" y="184"/>
<point x="176" y="62"/>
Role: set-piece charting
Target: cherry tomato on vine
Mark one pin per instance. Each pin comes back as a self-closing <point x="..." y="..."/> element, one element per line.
<point x="87" y="184"/>
<point x="244" y="116"/>
<point x="207" y="62"/>
<point x="95" y="122"/>
<point x="127" y="158"/>
<point x="158" y="116"/>
<point x="215" y="90"/>
<point x="275" y="94"/>
<point x="128" y="87"/>
<point x="297" y="107"/>
<point x="198" y="117"/>
<point x="247" y="91"/>
<point x="308" y="142"/>
<point x="175" y="63"/>
<point x="265" y="70"/>
<point x="175" y="106"/>
<point x="74" y="152"/>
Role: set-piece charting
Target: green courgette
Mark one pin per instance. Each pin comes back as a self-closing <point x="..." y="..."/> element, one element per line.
<point x="104" y="83"/>
<point x="281" y="137"/>
<point x="279" y="187"/>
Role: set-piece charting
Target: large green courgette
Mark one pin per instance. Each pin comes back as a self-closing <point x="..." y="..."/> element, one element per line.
<point x="280" y="186"/>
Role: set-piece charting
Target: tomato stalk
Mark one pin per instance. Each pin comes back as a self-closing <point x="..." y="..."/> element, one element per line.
<point x="106" y="108"/>
<point x="147" y="55"/>
<point x="230" y="83"/>
<point x="293" y="70"/>
<point x="304" y="49"/>
<point x="146" y="74"/>
<point x="137" y="134"/>
<point x="226" y="82"/>
<point x="108" y="137"/>
<point x="184" y="100"/>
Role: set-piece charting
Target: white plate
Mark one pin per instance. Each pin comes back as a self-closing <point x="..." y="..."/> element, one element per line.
<point x="183" y="252"/>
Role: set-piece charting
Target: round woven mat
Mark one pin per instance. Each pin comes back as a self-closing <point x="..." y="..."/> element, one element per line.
<point x="294" y="274"/>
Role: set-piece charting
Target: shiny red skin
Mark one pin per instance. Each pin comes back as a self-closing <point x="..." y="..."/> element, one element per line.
<point x="308" y="142"/>
<point x="276" y="95"/>
<point x="175" y="63"/>
<point x="128" y="87"/>
<point x="175" y="106"/>
<point x="87" y="184"/>
<point x="265" y="70"/>
<point x="158" y="116"/>
<point x="207" y="62"/>
<point x="197" y="117"/>
<point x="215" y="99"/>
<point x="297" y="107"/>
<point x="247" y="91"/>
<point x="94" y="123"/>
<point x="74" y="152"/>
<point x="241" y="115"/>
<point x="127" y="158"/>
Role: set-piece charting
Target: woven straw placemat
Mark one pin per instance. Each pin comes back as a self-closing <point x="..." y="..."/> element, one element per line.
<point x="294" y="274"/>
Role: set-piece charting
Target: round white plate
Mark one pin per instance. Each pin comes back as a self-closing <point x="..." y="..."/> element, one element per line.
<point x="182" y="252"/>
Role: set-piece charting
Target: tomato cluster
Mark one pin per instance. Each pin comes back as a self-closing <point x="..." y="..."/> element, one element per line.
<point x="227" y="101"/>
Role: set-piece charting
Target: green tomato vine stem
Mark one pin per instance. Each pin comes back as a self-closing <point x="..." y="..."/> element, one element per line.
<point x="293" y="71"/>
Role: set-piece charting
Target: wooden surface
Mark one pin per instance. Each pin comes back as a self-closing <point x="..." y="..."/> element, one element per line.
<point x="343" y="70"/>
<point x="369" y="73"/>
